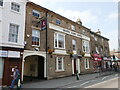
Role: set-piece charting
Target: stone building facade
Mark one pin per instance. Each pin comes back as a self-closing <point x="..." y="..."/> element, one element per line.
<point x="62" y="49"/>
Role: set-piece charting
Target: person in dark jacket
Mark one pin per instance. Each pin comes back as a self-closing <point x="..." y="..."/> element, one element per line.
<point x="15" y="75"/>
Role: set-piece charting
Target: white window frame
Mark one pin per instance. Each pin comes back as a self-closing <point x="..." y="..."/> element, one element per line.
<point x="86" y="61"/>
<point x="39" y="38"/>
<point x="57" y="40"/>
<point x="74" y="43"/>
<point x="86" y="45"/>
<point x="35" y="11"/>
<point x="12" y="31"/>
<point x="83" y="32"/>
<point x="97" y="50"/>
<point x="72" y="27"/>
<point x="14" y="8"/>
<point x="57" y="69"/>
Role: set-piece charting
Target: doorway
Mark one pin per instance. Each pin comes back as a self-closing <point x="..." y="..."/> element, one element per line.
<point x="33" y="68"/>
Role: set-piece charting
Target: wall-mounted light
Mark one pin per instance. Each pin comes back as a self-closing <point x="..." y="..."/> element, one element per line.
<point x="28" y="35"/>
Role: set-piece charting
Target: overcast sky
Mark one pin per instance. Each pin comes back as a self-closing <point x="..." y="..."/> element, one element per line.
<point x="95" y="14"/>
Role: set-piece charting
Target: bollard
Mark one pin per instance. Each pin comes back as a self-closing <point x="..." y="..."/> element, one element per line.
<point x="77" y="75"/>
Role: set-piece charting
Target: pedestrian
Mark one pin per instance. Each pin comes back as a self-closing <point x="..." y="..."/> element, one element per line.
<point x="15" y="76"/>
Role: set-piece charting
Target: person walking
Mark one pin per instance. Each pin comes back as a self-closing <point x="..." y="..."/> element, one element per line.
<point x="15" y="76"/>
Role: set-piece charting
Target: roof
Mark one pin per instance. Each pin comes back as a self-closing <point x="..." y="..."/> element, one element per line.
<point x="99" y="35"/>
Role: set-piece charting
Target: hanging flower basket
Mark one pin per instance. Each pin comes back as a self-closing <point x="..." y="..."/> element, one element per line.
<point x="83" y="53"/>
<point x="50" y="51"/>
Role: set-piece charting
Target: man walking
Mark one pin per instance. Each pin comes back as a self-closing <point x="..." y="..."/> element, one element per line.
<point x="15" y="77"/>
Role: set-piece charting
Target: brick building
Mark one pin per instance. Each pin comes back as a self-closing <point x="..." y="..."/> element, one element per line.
<point x="67" y="41"/>
<point x="99" y="50"/>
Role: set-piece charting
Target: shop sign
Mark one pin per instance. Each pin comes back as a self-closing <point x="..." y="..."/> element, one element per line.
<point x="14" y="54"/>
<point x="3" y="53"/>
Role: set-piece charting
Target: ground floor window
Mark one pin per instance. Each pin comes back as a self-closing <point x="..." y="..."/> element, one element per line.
<point x="86" y="61"/>
<point x="59" y="64"/>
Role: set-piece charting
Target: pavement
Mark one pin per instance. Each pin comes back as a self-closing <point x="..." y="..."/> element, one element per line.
<point x="65" y="81"/>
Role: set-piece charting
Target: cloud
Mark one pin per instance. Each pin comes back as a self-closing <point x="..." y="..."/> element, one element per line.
<point x="85" y="16"/>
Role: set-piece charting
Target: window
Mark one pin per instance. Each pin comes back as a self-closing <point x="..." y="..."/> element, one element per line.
<point x="58" y="21"/>
<point x="35" y="37"/>
<point x="1" y="2"/>
<point x="72" y="27"/>
<point x="74" y="44"/>
<point x="95" y="38"/>
<point x="59" y="41"/>
<point x="13" y="33"/>
<point x="36" y="13"/>
<point x="15" y="7"/>
<point x="86" y="62"/>
<point x="59" y="64"/>
<point x="85" y="45"/>
<point x="97" y="50"/>
<point x="83" y="32"/>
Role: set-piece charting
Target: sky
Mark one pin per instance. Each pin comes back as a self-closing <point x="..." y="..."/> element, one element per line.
<point x="94" y="14"/>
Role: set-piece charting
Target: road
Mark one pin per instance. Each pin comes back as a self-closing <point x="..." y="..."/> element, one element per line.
<point x="112" y="83"/>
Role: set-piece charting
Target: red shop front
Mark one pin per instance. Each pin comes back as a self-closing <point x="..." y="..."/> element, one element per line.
<point x="97" y="62"/>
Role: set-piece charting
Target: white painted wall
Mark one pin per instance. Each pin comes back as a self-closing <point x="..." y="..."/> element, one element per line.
<point x="9" y="16"/>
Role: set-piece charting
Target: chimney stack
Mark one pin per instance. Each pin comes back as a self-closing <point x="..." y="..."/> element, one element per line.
<point x="98" y="32"/>
<point x="79" y="21"/>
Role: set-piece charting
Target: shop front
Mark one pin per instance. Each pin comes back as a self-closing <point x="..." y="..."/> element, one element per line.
<point x="9" y="58"/>
<point x="97" y="62"/>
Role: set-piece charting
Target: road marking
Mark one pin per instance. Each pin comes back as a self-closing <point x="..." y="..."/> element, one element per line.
<point x="116" y="75"/>
<point x="100" y="83"/>
<point x="80" y="84"/>
<point x="104" y="77"/>
<point x="84" y="83"/>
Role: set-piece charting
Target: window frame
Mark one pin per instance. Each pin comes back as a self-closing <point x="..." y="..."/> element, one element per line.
<point x="73" y="27"/>
<point x="37" y="12"/>
<point x="62" y="64"/>
<point x="87" y="63"/>
<point x="75" y="43"/>
<point x="86" y="46"/>
<point x="13" y="32"/>
<point x="13" y="9"/>
<point x="35" y="37"/>
<point x="58" y="40"/>
<point x="59" y="21"/>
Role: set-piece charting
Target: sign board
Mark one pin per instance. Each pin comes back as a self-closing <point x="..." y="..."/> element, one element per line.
<point x="43" y="24"/>
<point x="3" y="53"/>
<point x="14" y="54"/>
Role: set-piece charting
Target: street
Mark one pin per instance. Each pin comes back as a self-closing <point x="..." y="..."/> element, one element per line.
<point x="112" y="83"/>
<point x="86" y="81"/>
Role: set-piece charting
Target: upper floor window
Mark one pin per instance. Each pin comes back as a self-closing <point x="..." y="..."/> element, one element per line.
<point x="36" y="37"/>
<point x="83" y="32"/>
<point x="86" y="62"/>
<point x="95" y="38"/>
<point x="13" y="33"/>
<point x="72" y="27"/>
<point x="1" y="2"/>
<point x="59" y="64"/>
<point x="58" y="21"/>
<point x="74" y="44"/>
<point x="15" y="7"/>
<point x="85" y="45"/>
<point x="97" y="50"/>
<point x="36" y="13"/>
<point x="59" y="40"/>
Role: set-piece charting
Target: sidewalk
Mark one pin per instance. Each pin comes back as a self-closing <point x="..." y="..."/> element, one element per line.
<point x="57" y="83"/>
